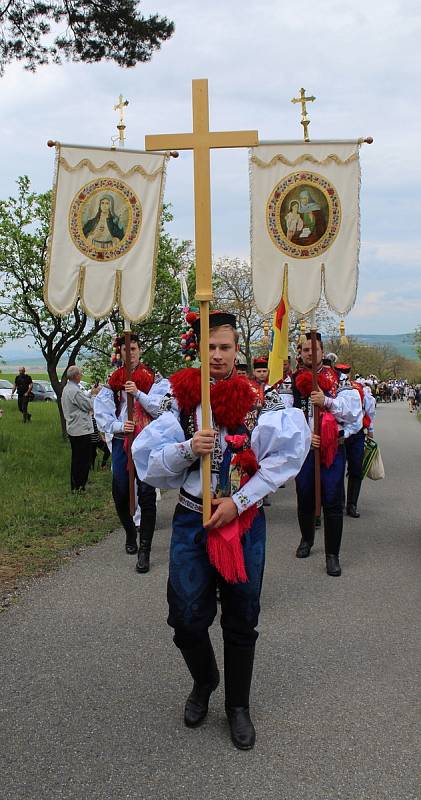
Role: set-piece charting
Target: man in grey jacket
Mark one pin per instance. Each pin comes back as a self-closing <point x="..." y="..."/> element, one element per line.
<point x="77" y="410"/>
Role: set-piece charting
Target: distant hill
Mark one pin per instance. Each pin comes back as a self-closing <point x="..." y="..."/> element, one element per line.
<point x="402" y="342"/>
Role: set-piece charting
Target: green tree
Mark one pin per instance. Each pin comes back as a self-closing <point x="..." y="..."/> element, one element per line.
<point x="160" y="333"/>
<point x="24" y="227"/>
<point x="88" y="30"/>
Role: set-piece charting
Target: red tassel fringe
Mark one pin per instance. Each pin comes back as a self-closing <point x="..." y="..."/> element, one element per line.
<point x="328" y="438"/>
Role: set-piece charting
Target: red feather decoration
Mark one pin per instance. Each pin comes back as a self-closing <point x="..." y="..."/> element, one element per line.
<point x="231" y="399"/>
<point x="142" y="376"/>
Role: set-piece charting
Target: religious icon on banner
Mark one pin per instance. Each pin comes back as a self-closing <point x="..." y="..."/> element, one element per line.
<point x="305" y="215"/>
<point x="104" y="231"/>
<point x="105" y="218"/>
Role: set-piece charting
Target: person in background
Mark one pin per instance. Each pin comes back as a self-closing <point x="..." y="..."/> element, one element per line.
<point x="341" y="411"/>
<point x="112" y="419"/>
<point x="77" y="409"/>
<point x="261" y="372"/>
<point x="23" y="386"/>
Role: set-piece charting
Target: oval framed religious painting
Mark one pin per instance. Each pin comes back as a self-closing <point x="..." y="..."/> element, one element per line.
<point x="303" y="214"/>
<point x="105" y="219"/>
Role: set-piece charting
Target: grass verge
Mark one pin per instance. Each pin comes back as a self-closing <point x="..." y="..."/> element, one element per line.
<point x="40" y="520"/>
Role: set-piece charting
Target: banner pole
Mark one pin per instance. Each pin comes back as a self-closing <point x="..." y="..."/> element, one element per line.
<point x="316" y="411"/>
<point x="129" y="436"/>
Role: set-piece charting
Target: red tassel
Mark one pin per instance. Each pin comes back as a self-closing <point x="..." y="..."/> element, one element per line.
<point x="328" y="438"/>
<point x="366" y="421"/>
<point x="225" y="550"/>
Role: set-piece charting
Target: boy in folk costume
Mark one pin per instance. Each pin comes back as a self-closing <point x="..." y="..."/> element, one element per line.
<point x="253" y="452"/>
<point x="110" y="409"/>
<point x="261" y="372"/>
<point x="340" y="411"/>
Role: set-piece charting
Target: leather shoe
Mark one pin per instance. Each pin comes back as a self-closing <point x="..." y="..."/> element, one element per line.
<point x="333" y="566"/>
<point x="352" y="511"/>
<point x="143" y="565"/>
<point x="303" y="549"/>
<point x="197" y="703"/>
<point x="243" y="734"/>
<point x="131" y="545"/>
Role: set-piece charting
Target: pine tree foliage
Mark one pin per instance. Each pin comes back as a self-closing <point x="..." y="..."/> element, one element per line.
<point x="37" y="32"/>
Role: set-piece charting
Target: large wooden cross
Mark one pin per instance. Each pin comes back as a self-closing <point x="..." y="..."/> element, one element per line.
<point x="201" y="141"/>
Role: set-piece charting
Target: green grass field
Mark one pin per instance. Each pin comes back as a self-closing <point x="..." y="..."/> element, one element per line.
<point x="40" y="520"/>
<point x="10" y="376"/>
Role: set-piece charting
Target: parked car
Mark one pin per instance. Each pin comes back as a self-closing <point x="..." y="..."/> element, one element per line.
<point x="6" y="390"/>
<point x="42" y="390"/>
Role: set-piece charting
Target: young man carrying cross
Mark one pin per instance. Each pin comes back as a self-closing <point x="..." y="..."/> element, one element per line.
<point x="253" y="450"/>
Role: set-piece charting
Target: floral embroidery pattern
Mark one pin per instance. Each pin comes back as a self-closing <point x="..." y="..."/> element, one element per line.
<point x="243" y="500"/>
<point x="186" y="452"/>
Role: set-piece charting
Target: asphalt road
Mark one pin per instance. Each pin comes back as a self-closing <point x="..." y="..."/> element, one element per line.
<point x="92" y="688"/>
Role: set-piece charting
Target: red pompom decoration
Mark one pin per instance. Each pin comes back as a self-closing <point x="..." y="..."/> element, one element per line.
<point x="191" y="317"/>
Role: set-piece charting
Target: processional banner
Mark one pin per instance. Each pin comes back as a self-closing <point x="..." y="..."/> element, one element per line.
<point x="305" y="223"/>
<point x="104" y="231"/>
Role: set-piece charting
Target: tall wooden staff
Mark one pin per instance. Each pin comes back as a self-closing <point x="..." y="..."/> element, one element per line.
<point x="316" y="418"/>
<point x="201" y="141"/>
<point x="121" y="127"/>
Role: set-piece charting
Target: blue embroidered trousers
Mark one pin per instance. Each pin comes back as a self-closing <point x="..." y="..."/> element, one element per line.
<point x="192" y="584"/>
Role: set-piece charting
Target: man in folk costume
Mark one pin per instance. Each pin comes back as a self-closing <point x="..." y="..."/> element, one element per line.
<point x="338" y="411"/>
<point x="355" y="438"/>
<point x="110" y="409"/>
<point x="254" y="449"/>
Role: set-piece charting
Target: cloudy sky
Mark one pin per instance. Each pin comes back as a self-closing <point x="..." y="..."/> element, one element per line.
<point x="360" y="59"/>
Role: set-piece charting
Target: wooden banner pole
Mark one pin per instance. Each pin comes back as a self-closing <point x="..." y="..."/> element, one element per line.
<point x="129" y="436"/>
<point x="316" y="418"/>
<point x="206" y="406"/>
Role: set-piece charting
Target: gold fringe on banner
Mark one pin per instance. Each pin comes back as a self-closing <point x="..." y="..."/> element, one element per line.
<point x="300" y="160"/>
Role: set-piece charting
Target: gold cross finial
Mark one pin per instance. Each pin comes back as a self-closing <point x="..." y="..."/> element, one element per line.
<point x="121" y="127"/>
<point x="305" y="122"/>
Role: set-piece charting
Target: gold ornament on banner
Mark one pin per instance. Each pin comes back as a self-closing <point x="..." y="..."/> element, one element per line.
<point x="343" y="339"/>
<point x="303" y="338"/>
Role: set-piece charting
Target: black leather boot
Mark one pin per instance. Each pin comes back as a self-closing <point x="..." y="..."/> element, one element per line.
<point x="333" y="537"/>
<point x="131" y="539"/>
<point x="203" y="668"/>
<point x="146" y="532"/>
<point x="354" y="486"/>
<point x="143" y="558"/>
<point x="238" y="671"/>
<point x="306" y="523"/>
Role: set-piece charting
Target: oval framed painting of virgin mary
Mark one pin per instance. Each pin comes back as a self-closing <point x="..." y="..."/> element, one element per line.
<point x="105" y="218"/>
<point x="303" y="214"/>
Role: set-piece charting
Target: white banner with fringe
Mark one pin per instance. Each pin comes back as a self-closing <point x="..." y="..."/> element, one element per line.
<point x="305" y="220"/>
<point x="104" y="231"/>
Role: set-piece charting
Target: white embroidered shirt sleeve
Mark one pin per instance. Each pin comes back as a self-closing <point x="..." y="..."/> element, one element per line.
<point x="105" y="412"/>
<point x="151" y="402"/>
<point x="281" y="442"/>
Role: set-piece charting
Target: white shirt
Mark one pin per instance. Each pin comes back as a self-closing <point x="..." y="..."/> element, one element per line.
<point x="280" y="442"/>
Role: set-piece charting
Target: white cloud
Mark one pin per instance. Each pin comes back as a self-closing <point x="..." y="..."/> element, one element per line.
<point x="358" y="59"/>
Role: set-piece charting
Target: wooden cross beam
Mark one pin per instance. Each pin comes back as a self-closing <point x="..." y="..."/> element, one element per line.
<point x="201" y="141"/>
